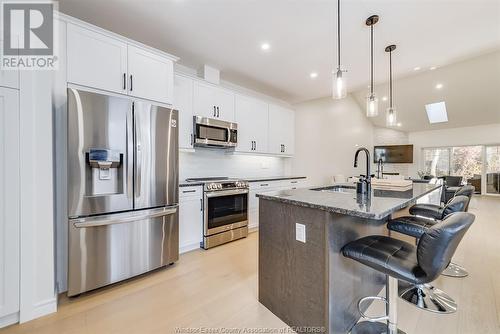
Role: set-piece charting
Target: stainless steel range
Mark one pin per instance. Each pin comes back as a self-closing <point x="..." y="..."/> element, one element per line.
<point x="225" y="210"/>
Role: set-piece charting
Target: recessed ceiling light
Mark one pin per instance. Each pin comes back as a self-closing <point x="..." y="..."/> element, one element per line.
<point x="439" y="86"/>
<point x="313" y="75"/>
<point x="399" y="124"/>
<point x="416" y="68"/>
<point x="436" y="112"/>
<point x="384" y="98"/>
<point x="432" y="68"/>
<point x="265" y="46"/>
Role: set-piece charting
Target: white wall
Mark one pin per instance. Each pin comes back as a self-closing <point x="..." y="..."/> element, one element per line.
<point x="473" y="135"/>
<point x="385" y="136"/>
<point x="327" y="134"/>
<point x="206" y="162"/>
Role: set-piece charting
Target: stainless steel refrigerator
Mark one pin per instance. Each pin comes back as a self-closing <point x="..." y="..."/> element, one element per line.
<point x="122" y="189"/>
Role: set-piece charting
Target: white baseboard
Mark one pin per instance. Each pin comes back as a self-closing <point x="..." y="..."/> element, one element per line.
<point x="40" y="309"/>
<point x="189" y="247"/>
<point x="9" y="319"/>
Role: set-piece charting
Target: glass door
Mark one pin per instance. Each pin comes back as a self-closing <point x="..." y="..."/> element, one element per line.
<point x="492" y="170"/>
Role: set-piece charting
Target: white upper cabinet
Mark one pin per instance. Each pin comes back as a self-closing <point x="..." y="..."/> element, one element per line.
<point x="281" y="130"/>
<point x="9" y="78"/>
<point x="252" y="118"/>
<point x="183" y="101"/>
<point x="150" y="76"/>
<point x="95" y="60"/>
<point x="213" y="102"/>
<point x="104" y="62"/>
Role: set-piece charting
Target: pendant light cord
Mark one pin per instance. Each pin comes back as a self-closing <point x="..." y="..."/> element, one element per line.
<point x="390" y="77"/>
<point x="371" y="62"/>
<point x="338" y="33"/>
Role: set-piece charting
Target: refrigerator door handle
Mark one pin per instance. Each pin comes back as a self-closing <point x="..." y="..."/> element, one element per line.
<point x="123" y="217"/>
<point x="138" y="155"/>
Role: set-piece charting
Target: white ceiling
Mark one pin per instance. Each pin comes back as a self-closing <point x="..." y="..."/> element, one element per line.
<point x="470" y="89"/>
<point x="227" y="34"/>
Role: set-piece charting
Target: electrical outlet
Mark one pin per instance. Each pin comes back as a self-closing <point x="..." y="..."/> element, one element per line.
<point x="300" y="232"/>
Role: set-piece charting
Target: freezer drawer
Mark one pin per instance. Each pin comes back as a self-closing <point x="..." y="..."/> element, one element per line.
<point x="110" y="248"/>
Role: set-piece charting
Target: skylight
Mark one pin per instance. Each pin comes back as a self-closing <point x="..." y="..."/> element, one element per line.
<point x="436" y="112"/>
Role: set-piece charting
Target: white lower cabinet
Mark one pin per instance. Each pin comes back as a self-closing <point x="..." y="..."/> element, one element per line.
<point x="9" y="204"/>
<point x="190" y="218"/>
<point x="267" y="186"/>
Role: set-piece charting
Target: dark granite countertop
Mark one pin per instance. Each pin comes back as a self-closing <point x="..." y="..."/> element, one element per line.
<point x="184" y="183"/>
<point x="380" y="204"/>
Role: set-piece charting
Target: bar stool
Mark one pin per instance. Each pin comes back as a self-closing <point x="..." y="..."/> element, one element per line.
<point x="426" y="296"/>
<point x="400" y="260"/>
<point x="430" y="211"/>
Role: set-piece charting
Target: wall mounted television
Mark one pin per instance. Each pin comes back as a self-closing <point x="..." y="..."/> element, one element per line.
<point x="396" y="154"/>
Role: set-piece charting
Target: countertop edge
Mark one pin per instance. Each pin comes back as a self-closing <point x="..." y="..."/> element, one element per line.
<point x="249" y="179"/>
<point x="379" y="216"/>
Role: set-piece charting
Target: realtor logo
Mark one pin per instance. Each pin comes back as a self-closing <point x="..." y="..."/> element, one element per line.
<point x="28" y="35"/>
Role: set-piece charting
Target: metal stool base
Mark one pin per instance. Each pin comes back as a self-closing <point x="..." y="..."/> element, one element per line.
<point x="366" y="327"/>
<point x="427" y="297"/>
<point x="454" y="270"/>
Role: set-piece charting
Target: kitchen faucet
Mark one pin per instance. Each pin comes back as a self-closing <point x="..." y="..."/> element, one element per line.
<point x="364" y="183"/>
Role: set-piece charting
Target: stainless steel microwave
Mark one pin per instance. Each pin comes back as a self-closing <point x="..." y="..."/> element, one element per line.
<point x="209" y="132"/>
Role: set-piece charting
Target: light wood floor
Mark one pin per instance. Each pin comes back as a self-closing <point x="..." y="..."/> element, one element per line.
<point x="218" y="289"/>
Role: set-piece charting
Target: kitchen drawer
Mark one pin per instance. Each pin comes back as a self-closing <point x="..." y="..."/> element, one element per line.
<point x="293" y="183"/>
<point x="264" y="185"/>
<point x="192" y="191"/>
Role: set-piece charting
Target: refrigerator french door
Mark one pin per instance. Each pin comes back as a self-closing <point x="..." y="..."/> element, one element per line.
<point x="122" y="189"/>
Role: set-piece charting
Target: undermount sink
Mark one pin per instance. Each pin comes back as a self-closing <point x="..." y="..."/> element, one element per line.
<point x="337" y="189"/>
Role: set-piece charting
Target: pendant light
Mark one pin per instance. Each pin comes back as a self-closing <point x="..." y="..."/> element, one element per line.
<point x="390" y="115"/>
<point x="339" y="89"/>
<point x="371" y="99"/>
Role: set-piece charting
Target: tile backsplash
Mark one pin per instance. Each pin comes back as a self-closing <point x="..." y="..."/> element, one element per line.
<point x="208" y="162"/>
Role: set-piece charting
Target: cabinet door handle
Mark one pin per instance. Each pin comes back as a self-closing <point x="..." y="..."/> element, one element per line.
<point x="131" y="82"/>
<point x="215" y="112"/>
<point x="192" y="138"/>
<point x="264" y="184"/>
<point x="218" y="115"/>
<point x="284" y="148"/>
<point x="201" y="204"/>
<point x="124" y="81"/>
<point x="188" y="191"/>
<point x="255" y="145"/>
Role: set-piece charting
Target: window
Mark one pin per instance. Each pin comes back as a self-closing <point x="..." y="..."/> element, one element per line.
<point x="437" y="161"/>
<point x="465" y="161"/>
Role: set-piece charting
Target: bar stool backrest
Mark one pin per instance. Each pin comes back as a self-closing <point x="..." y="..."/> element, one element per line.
<point x="468" y="191"/>
<point x="438" y="244"/>
<point x="456" y="204"/>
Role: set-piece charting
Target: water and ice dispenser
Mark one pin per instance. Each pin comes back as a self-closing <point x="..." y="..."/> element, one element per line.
<point x="105" y="171"/>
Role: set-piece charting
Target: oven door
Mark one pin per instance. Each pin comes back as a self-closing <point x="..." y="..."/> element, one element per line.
<point x="225" y="210"/>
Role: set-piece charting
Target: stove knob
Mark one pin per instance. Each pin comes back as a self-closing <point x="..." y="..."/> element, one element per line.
<point x="219" y="186"/>
<point x="238" y="184"/>
<point x="211" y="186"/>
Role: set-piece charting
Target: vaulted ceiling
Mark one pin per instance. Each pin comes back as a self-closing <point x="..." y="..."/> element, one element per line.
<point x="228" y="34"/>
<point x="470" y="90"/>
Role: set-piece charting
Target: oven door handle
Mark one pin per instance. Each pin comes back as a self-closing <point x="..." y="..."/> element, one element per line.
<point x="221" y="193"/>
<point x="123" y="217"/>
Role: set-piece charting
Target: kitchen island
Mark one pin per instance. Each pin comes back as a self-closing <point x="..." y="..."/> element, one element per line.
<point x="303" y="277"/>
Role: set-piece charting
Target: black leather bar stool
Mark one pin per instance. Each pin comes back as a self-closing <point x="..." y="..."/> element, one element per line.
<point x="430" y="211"/>
<point x="400" y="260"/>
<point x="426" y="296"/>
